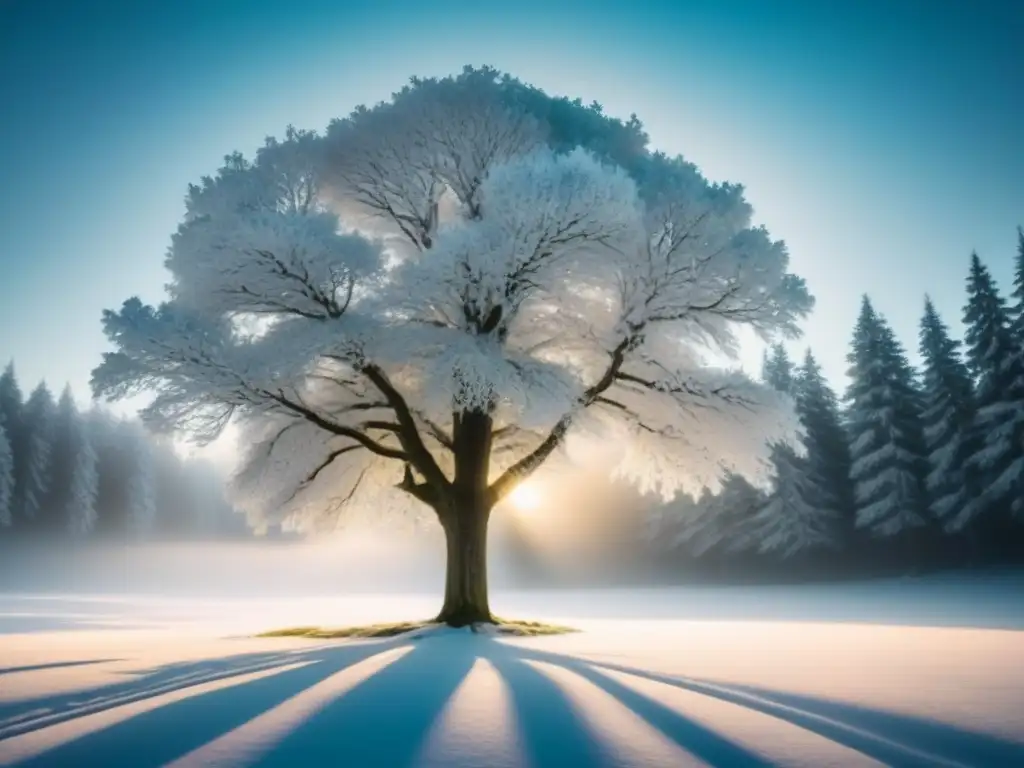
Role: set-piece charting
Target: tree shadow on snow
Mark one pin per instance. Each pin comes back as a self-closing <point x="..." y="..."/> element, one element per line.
<point x="54" y="665"/>
<point x="385" y="719"/>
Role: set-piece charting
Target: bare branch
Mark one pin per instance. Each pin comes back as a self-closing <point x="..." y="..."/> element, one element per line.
<point x="312" y="476"/>
<point x="415" y="452"/>
<point x="338" y="429"/>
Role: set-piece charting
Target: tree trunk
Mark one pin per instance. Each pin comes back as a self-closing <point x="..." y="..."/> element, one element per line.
<point x="465" y="585"/>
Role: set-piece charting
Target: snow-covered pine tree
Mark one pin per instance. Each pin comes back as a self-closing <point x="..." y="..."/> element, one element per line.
<point x="947" y="416"/>
<point x="6" y="475"/>
<point x="995" y="360"/>
<point x="791" y="520"/>
<point x="141" y="491"/>
<point x="11" y="414"/>
<point x="77" y="464"/>
<point x="828" y="448"/>
<point x="1016" y="312"/>
<point x="778" y="371"/>
<point x="32" y="473"/>
<point x="724" y="522"/>
<point x="799" y="511"/>
<point x="887" y="445"/>
<point x="10" y="402"/>
<point x="62" y="460"/>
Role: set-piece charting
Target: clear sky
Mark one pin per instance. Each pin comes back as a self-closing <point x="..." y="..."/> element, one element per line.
<point x="882" y="139"/>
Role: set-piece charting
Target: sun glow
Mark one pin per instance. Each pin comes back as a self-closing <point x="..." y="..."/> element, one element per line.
<point x="525" y="498"/>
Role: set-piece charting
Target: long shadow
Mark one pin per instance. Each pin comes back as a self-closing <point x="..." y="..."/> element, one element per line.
<point x="553" y="734"/>
<point x="53" y="665"/>
<point x="385" y="719"/>
<point x="712" y="748"/>
<point x="954" y="743"/>
<point x="143" y="684"/>
<point x="16" y="625"/>
<point x="154" y="738"/>
<point x="897" y="740"/>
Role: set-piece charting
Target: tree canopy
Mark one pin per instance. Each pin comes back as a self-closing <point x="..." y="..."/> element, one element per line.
<point x="450" y="285"/>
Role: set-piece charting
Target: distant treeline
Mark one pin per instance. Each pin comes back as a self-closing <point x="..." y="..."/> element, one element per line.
<point x="79" y="474"/>
<point x="914" y="469"/>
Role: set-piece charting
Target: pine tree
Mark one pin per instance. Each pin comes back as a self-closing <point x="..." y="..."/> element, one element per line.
<point x="777" y="370"/>
<point x="800" y="495"/>
<point x="995" y="360"/>
<point x="1016" y="314"/>
<point x="141" y="489"/>
<point x="11" y="417"/>
<point x="10" y="402"/>
<point x="74" y="480"/>
<point x="32" y="472"/>
<point x="80" y="511"/>
<point x="6" y="476"/>
<point x="791" y="520"/>
<point x="62" y="461"/>
<point x="947" y="416"/>
<point x="725" y="520"/>
<point x="827" y="444"/>
<point x="887" y="446"/>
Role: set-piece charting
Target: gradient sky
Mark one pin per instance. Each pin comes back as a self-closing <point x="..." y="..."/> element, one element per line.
<point x="882" y="139"/>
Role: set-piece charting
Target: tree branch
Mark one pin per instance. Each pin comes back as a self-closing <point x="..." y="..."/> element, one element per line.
<point x="416" y="452"/>
<point x="529" y="463"/>
<point x="308" y="480"/>
<point x="338" y="429"/>
<point x="422" y="491"/>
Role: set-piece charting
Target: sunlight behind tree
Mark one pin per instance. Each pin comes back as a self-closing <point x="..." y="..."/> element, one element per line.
<point x="526" y="498"/>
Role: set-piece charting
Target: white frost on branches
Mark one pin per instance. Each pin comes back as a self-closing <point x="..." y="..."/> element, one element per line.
<point x="551" y="294"/>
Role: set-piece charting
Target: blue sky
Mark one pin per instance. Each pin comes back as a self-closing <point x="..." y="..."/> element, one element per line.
<point x="882" y="139"/>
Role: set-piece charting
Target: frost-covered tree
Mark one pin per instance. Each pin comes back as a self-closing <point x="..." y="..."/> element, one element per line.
<point x="10" y="401"/>
<point x="81" y="512"/>
<point x="63" y="450"/>
<point x="778" y="371"/>
<point x="32" y="464"/>
<point x="140" y="490"/>
<point x="947" y="416"/>
<point x="1016" y="315"/>
<point x="724" y="522"/>
<point x="884" y="414"/>
<point x="996" y="362"/>
<point x="800" y="511"/>
<point x="432" y="299"/>
<point x="10" y="416"/>
<point x="827" y="443"/>
<point x="6" y="476"/>
<point x="792" y="520"/>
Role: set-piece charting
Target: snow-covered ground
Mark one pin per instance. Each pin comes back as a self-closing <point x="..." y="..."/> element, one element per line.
<point x="903" y="673"/>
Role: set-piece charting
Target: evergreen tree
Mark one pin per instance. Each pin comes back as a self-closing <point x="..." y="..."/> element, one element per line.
<point x="791" y="520"/>
<point x="887" y="444"/>
<point x="6" y="476"/>
<point x="1016" y="315"/>
<point x="73" y="470"/>
<point x="777" y="370"/>
<point x="10" y="416"/>
<point x="10" y="402"/>
<point x="32" y="478"/>
<point x="828" y="447"/>
<point x="807" y="509"/>
<point x="725" y="521"/>
<point x="948" y="415"/>
<point x="141" y="488"/>
<point x="81" y="507"/>
<point x="994" y="358"/>
<point x="62" y="461"/>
